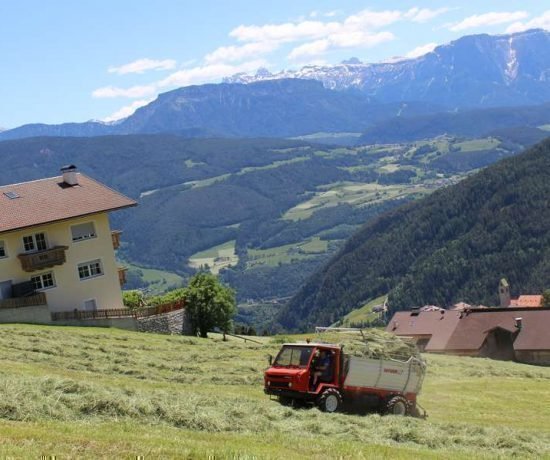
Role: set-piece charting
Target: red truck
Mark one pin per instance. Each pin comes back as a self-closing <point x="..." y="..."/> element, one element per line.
<point x="324" y="375"/>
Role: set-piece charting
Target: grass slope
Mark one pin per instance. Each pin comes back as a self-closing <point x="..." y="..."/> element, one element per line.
<point x="105" y="393"/>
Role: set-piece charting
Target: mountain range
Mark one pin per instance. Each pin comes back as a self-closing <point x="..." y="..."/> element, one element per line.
<point x="473" y="71"/>
<point x="477" y="71"/>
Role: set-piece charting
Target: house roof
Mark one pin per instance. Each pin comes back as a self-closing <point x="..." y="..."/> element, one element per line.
<point x="454" y="331"/>
<point x="472" y="329"/>
<point x="51" y="200"/>
<point x="527" y="301"/>
<point x="437" y="324"/>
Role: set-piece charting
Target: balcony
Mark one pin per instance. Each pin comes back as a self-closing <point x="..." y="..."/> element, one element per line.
<point x="38" y="298"/>
<point x="39" y="260"/>
<point x="122" y="275"/>
<point x="115" y="237"/>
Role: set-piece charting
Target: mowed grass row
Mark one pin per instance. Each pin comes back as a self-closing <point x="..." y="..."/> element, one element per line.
<point x="103" y="393"/>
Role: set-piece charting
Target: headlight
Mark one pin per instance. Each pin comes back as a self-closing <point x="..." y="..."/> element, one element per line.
<point x="268" y="383"/>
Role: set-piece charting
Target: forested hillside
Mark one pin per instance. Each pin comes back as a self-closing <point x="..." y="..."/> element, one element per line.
<point x="469" y="123"/>
<point x="450" y="246"/>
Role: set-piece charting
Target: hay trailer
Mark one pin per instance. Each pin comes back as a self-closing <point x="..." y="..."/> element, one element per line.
<point x="325" y="375"/>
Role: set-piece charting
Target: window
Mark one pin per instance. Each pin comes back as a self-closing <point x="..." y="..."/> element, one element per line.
<point x="90" y="269"/>
<point x="83" y="231"/>
<point x="3" y="252"/>
<point x="293" y="356"/>
<point x="43" y="281"/>
<point x="36" y="242"/>
<point x="90" y="305"/>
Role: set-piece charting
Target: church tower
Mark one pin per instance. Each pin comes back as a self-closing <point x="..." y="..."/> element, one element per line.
<point x="504" y="293"/>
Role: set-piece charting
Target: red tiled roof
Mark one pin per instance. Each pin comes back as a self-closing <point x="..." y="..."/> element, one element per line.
<point x="527" y="301"/>
<point x="48" y="200"/>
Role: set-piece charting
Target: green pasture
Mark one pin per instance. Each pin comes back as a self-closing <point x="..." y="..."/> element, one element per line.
<point x="104" y="393"/>
<point x="216" y="257"/>
<point x="287" y="253"/>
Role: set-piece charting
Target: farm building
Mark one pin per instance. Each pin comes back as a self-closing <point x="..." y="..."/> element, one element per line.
<point x="513" y="333"/>
<point x="56" y="245"/>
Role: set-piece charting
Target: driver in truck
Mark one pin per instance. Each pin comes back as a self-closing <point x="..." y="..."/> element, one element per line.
<point x="322" y="368"/>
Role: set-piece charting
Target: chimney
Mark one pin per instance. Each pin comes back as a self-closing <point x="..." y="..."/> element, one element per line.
<point x="69" y="175"/>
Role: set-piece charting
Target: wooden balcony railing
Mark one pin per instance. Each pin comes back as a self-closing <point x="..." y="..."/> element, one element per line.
<point x="43" y="259"/>
<point x="115" y="237"/>
<point x="122" y="275"/>
<point x="38" y="298"/>
<point x="119" y="312"/>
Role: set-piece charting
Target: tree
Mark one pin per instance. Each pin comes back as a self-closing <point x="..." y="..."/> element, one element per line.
<point x="133" y="299"/>
<point x="209" y="304"/>
<point x="546" y="298"/>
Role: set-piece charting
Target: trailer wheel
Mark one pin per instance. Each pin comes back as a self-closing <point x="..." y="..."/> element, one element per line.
<point x="397" y="405"/>
<point x="329" y="401"/>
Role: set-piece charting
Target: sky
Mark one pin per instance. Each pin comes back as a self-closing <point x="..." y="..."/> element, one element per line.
<point x="73" y="61"/>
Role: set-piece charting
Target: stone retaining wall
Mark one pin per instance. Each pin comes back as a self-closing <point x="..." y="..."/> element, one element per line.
<point x="174" y="322"/>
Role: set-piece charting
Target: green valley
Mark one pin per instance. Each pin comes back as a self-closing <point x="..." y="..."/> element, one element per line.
<point x="264" y="213"/>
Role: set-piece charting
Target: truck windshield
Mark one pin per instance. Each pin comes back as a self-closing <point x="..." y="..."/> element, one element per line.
<point x="293" y="356"/>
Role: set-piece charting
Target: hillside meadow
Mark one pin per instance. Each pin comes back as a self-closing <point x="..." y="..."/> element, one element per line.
<point x="107" y="393"/>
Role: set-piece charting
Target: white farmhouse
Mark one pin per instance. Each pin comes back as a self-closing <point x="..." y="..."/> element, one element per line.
<point x="56" y="245"/>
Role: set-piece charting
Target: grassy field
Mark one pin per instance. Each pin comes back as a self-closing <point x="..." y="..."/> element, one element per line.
<point x="362" y="314"/>
<point x="216" y="257"/>
<point x="158" y="281"/>
<point x="103" y="393"/>
<point x="353" y="193"/>
<point x="287" y="253"/>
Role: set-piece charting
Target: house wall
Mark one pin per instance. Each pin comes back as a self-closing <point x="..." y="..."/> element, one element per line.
<point x="540" y="357"/>
<point x="70" y="292"/>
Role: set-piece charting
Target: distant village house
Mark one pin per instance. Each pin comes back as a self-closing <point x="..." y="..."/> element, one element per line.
<point x="518" y="331"/>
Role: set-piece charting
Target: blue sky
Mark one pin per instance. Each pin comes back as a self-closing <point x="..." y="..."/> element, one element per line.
<point x="74" y="61"/>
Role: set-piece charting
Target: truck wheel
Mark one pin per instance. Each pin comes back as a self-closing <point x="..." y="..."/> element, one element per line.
<point x="397" y="405"/>
<point x="329" y="401"/>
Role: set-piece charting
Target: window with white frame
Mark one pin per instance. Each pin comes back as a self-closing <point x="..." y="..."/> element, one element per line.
<point x="90" y="269"/>
<point x="36" y="242"/>
<point x="3" y="252"/>
<point x="43" y="281"/>
<point x="83" y="231"/>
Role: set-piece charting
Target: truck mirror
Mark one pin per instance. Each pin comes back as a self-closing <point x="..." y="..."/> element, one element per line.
<point x="270" y="359"/>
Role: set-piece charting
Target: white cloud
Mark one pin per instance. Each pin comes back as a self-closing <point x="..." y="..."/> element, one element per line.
<point x="488" y="19"/>
<point x="287" y="32"/>
<point x="424" y="14"/>
<point x="127" y="110"/>
<point x="349" y="39"/>
<point x="142" y="65"/>
<point x="209" y="72"/>
<point x="541" y="22"/>
<point x="238" y="53"/>
<point x="132" y="92"/>
<point x="421" y="50"/>
<point x="357" y="30"/>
